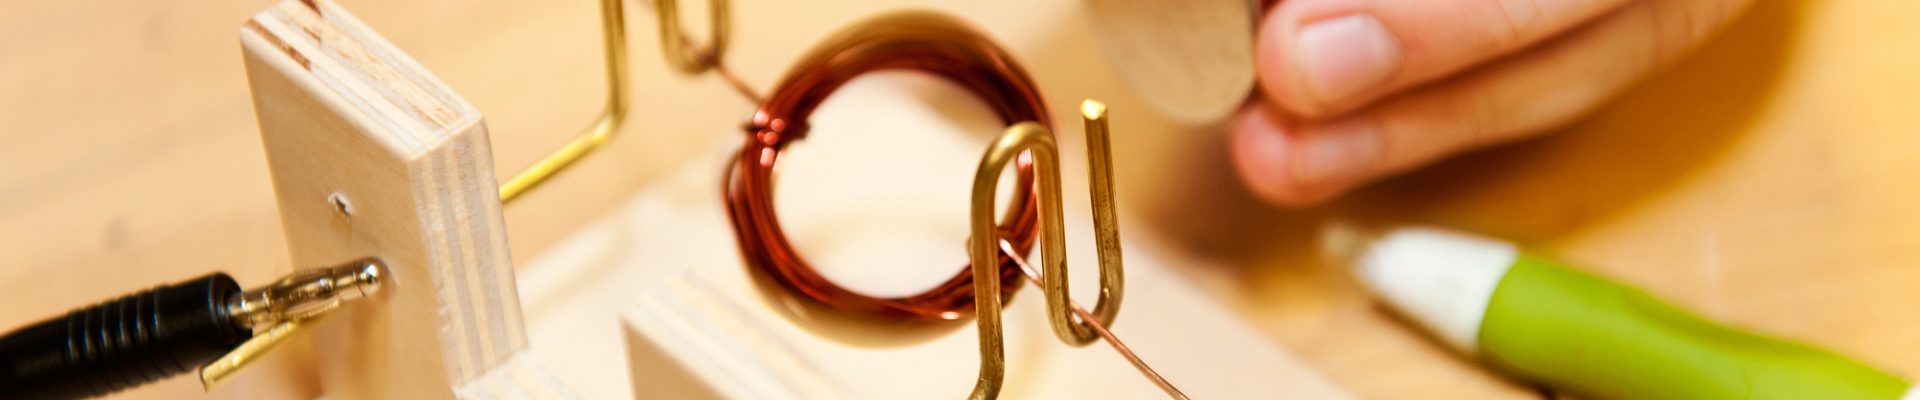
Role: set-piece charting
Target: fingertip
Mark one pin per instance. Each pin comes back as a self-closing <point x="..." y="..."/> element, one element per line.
<point x="1323" y="58"/>
<point x="1279" y="77"/>
<point x="1263" y="158"/>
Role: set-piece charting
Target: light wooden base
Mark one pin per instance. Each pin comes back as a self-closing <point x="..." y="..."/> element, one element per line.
<point x="713" y="334"/>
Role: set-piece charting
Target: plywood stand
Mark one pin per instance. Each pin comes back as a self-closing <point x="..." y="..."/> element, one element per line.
<point x="373" y="156"/>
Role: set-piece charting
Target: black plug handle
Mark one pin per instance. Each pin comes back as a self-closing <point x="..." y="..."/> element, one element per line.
<point x="122" y="343"/>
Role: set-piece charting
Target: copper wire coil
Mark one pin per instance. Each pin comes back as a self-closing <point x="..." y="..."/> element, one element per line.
<point x="918" y="41"/>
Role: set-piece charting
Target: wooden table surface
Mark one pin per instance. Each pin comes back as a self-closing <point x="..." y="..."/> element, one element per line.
<point x="1766" y="181"/>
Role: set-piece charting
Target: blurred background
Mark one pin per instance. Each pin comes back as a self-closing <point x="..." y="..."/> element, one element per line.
<point x="1766" y="180"/>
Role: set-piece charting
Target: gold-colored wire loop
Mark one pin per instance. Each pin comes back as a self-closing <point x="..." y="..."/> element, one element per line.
<point x="679" y="50"/>
<point x="614" y="39"/>
<point x="1030" y="139"/>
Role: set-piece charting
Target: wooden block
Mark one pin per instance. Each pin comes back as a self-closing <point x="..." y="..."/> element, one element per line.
<point x="371" y="155"/>
<point x="1191" y="59"/>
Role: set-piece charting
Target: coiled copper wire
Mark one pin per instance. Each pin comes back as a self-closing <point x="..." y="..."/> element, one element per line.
<point x="918" y="41"/>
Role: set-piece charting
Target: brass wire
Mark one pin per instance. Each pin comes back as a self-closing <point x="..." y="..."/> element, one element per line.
<point x="681" y="53"/>
<point x="614" y="39"/>
<point x="222" y="369"/>
<point x="1032" y="140"/>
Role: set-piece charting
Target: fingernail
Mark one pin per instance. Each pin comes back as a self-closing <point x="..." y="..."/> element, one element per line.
<point x="1343" y="56"/>
<point x="1338" y="151"/>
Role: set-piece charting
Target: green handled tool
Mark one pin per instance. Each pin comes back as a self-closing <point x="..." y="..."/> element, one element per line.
<point x="1591" y="337"/>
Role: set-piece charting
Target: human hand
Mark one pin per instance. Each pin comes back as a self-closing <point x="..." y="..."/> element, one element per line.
<point x="1355" y="90"/>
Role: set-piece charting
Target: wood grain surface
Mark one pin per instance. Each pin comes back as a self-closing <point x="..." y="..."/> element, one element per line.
<point x="1767" y="180"/>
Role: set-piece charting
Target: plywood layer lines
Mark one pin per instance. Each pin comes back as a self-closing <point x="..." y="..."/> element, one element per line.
<point x="371" y="155"/>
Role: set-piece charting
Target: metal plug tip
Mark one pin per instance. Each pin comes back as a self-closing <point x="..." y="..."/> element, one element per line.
<point x="367" y="276"/>
<point x="308" y="293"/>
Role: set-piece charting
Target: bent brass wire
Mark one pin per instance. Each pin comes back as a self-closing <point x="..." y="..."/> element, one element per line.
<point x="682" y="54"/>
<point x="1029" y="140"/>
<point x="1035" y="141"/>
<point x="680" y="51"/>
<point x="614" y="40"/>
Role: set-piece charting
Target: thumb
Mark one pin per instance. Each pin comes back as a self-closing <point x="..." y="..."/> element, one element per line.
<point x="1297" y="162"/>
<point x="1324" y="57"/>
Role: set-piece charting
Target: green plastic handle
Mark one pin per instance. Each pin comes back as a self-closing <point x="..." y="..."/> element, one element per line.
<point x="1594" y="338"/>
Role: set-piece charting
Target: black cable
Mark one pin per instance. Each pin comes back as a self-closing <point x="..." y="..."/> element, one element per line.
<point x="122" y="343"/>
